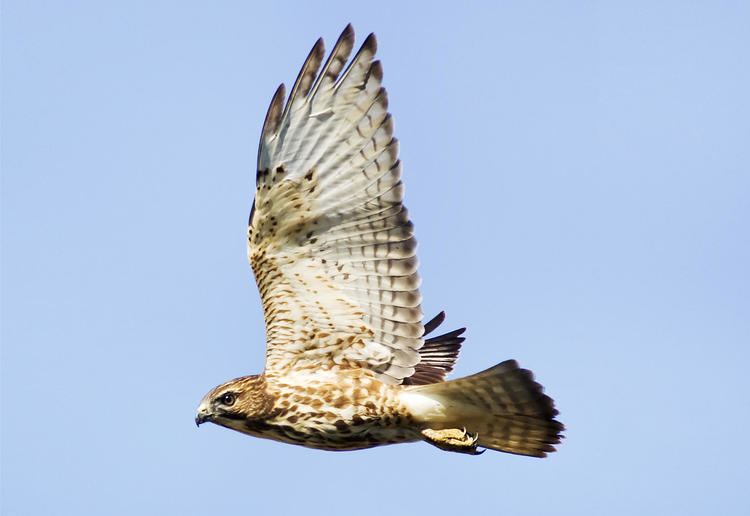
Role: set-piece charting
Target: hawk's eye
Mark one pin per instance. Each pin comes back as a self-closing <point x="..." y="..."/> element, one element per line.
<point x="228" y="399"/>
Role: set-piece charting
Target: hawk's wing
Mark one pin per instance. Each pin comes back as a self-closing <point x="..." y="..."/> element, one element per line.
<point x="329" y="240"/>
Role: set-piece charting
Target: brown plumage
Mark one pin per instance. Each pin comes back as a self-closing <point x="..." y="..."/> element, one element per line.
<point x="334" y="255"/>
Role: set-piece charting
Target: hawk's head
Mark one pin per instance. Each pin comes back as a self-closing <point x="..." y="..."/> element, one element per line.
<point x="235" y="403"/>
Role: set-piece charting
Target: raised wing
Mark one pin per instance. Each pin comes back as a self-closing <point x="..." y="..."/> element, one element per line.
<point x="329" y="240"/>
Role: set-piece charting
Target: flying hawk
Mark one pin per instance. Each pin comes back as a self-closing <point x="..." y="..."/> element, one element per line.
<point x="348" y="364"/>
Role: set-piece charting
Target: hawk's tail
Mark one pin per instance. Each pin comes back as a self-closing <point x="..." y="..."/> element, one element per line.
<point x="503" y="405"/>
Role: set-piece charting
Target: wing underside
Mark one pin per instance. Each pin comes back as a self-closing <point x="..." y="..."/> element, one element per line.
<point x="329" y="239"/>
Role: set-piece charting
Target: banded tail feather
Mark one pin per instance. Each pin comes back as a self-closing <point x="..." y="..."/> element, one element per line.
<point x="503" y="406"/>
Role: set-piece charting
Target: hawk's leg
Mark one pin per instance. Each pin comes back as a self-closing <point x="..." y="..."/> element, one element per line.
<point x="453" y="439"/>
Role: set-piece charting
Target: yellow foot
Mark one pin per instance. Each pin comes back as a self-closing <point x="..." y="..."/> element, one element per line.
<point x="453" y="439"/>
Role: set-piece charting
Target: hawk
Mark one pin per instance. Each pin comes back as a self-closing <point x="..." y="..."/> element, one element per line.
<point x="349" y="364"/>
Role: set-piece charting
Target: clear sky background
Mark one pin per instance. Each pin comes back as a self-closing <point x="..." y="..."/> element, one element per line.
<point x="579" y="177"/>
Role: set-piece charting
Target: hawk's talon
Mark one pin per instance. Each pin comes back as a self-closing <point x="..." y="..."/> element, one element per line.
<point x="453" y="439"/>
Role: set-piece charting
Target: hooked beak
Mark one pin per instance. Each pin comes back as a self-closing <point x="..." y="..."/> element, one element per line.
<point x="202" y="417"/>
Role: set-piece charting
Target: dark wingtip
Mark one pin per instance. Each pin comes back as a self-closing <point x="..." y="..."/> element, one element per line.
<point x="273" y="115"/>
<point x="346" y="37"/>
<point x="371" y="43"/>
<point x="280" y="91"/>
<point x="318" y="49"/>
<point x="376" y="70"/>
<point x="433" y="323"/>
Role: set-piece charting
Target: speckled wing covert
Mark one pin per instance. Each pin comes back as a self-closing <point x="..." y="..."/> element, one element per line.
<point x="329" y="240"/>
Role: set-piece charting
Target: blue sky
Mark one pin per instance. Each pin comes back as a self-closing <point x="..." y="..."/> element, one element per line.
<point x="579" y="177"/>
